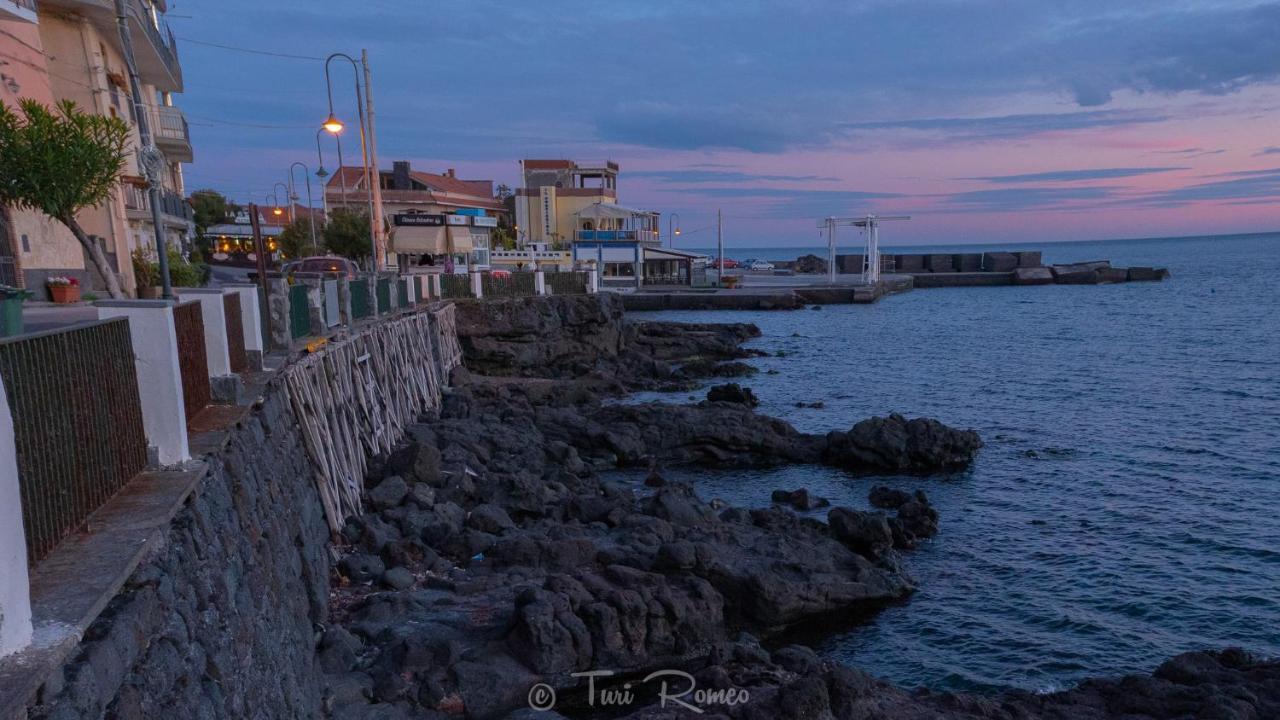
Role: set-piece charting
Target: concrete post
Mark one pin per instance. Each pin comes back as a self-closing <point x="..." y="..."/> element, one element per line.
<point x="250" y="321"/>
<point x="410" y="290"/>
<point x="477" y="285"/>
<point x="155" y="350"/>
<point x="15" y="591"/>
<point x="344" y="302"/>
<point x="593" y="283"/>
<point x="278" y="308"/>
<point x="372" y="287"/>
<point x="332" y="307"/>
<point x="315" y="303"/>
<point x="539" y="283"/>
<point x="437" y="287"/>
<point x="422" y="286"/>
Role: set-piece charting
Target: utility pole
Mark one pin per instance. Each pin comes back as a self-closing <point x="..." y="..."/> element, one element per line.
<point x="149" y="157"/>
<point x="831" y="250"/>
<point x="379" y="237"/>
<point x="720" y="247"/>
<point x="260" y="257"/>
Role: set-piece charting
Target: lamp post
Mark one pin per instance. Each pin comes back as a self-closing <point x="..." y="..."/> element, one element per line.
<point x="335" y="126"/>
<point x="311" y="216"/>
<point x="322" y="173"/>
<point x="671" y="235"/>
<point x="286" y="197"/>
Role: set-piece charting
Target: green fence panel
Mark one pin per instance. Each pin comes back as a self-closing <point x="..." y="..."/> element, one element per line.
<point x="567" y="283"/>
<point x="299" y="312"/>
<point x="359" y="298"/>
<point x="520" y="284"/>
<point x="384" y="295"/>
<point x="402" y="292"/>
<point x="455" y="286"/>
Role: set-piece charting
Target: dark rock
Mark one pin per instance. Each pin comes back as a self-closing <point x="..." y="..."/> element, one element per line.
<point x="397" y="578"/>
<point x="895" y="444"/>
<point x="338" y="650"/>
<point x="940" y="263"/>
<point x="809" y="265"/>
<point x="489" y="518"/>
<point x="423" y="495"/>
<point x="865" y="533"/>
<point x="388" y="493"/>
<point x="818" y="405"/>
<point x="1142" y="274"/>
<point x="908" y="263"/>
<point x="732" y="393"/>
<point x="1113" y="275"/>
<point x="968" y="262"/>
<point x="1029" y="258"/>
<point x="887" y="498"/>
<point x="361" y="568"/>
<point x="800" y="499"/>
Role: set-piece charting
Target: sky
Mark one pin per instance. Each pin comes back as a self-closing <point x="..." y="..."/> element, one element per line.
<point x="984" y="120"/>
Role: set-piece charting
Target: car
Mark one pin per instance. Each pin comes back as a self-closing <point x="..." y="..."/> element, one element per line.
<point x="729" y="264"/>
<point x="760" y="265"/>
<point x="324" y="264"/>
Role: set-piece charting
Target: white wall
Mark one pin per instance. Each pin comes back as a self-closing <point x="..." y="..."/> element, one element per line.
<point x="15" y="590"/>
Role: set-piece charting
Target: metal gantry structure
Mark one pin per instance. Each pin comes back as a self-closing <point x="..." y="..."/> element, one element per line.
<point x="870" y="225"/>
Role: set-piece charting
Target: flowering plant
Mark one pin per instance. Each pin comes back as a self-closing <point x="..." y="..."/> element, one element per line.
<point x="62" y="281"/>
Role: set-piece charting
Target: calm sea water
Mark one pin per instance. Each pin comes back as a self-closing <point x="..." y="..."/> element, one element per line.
<point x="1126" y="506"/>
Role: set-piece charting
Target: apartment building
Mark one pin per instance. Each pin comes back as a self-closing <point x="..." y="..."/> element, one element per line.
<point x="74" y="50"/>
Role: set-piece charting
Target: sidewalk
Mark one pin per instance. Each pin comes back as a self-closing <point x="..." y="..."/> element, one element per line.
<point x="38" y="315"/>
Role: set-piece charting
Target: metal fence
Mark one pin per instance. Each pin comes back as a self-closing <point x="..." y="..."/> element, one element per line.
<point x="359" y="290"/>
<point x="519" y="284"/>
<point x="402" y="292"/>
<point x="73" y="393"/>
<point x="235" y="332"/>
<point x="567" y="283"/>
<point x="455" y="286"/>
<point x="188" y="321"/>
<point x="384" y="295"/>
<point x="299" y="311"/>
<point x="8" y="271"/>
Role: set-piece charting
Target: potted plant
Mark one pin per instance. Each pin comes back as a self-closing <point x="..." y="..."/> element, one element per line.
<point x="729" y="281"/>
<point x="146" y="273"/>
<point x="63" y="289"/>
<point x="11" y="310"/>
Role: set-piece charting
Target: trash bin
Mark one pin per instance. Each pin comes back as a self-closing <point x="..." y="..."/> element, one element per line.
<point x="11" y="311"/>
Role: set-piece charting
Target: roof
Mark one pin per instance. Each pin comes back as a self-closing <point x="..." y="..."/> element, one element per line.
<point x="609" y="210"/>
<point x="658" y="252"/>
<point x="547" y="164"/>
<point x="439" y="189"/>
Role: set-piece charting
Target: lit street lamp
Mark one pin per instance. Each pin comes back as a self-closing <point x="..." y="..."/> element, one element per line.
<point x="334" y="126"/>
<point x="671" y="235"/>
<point x="322" y="173"/>
<point x="286" y="197"/>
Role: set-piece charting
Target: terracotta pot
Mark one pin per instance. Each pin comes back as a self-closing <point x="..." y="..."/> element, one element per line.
<point x="65" y="293"/>
<point x="148" y="293"/>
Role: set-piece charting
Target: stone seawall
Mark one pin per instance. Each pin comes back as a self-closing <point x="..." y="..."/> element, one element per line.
<point x="220" y="620"/>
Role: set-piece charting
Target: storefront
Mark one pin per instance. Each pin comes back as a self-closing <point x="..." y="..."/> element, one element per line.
<point x="451" y="242"/>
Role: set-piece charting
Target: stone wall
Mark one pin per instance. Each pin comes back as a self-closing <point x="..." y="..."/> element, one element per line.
<point x="220" y="621"/>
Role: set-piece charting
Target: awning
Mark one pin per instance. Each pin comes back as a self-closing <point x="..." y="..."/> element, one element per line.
<point x="460" y="239"/>
<point x="651" y="253"/>
<point x="418" y="239"/>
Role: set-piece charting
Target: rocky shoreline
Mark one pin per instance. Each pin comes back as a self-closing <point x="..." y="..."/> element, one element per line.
<point x="498" y="557"/>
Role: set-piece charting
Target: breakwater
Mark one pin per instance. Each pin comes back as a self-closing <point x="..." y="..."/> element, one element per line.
<point x="493" y="554"/>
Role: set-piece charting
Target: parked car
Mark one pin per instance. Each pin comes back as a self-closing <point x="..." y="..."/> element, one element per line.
<point x="760" y="265"/>
<point x="323" y="264"/>
<point x="729" y="264"/>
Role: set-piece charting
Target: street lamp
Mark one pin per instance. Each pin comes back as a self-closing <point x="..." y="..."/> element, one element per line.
<point x="334" y="126"/>
<point x="311" y="215"/>
<point x="286" y="197"/>
<point x="671" y="235"/>
<point x="322" y="173"/>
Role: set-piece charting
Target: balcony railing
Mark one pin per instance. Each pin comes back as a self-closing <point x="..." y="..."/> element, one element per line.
<point x="24" y="10"/>
<point x="137" y="199"/>
<point x="606" y="235"/>
<point x="172" y="133"/>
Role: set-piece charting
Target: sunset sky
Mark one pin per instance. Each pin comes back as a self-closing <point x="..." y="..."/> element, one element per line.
<point x="985" y="120"/>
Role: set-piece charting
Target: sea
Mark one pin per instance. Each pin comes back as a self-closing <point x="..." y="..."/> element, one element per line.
<point x="1126" y="505"/>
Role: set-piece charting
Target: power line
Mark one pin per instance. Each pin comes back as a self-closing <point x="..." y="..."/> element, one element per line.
<point x="251" y="51"/>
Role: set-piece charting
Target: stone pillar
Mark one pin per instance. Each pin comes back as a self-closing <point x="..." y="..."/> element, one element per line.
<point x="477" y="285"/>
<point x="344" y="302"/>
<point x="225" y="386"/>
<point x="437" y="288"/>
<point x="539" y="283"/>
<point x="315" y="303"/>
<point x="278" y="310"/>
<point x="155" y="350"/>
<point x="410" y="290"/>
<point x="372" y="287"/>
<point x="250" y="321"/>
<point x="593" y="283"/>
<point x="15" y="591"/>
<point x="423" y="282"/>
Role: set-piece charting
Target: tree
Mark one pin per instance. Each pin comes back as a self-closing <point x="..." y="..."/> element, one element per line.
<point x="347" y="234"/>
<point x="211" y="208"/>
<point x="61" y="161"/>
<point x="295" y="239"/>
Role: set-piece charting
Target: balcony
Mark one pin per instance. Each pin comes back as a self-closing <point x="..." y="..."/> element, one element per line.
<point x="155" y="49"/>
<point x="172" y="134"/>
<point x="605" y="235"/>
<point x="176" y="212"/>
<point x="20" y="10"/>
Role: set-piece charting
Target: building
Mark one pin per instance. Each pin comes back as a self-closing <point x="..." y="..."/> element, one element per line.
<point x="231" y="241"/>
<point x="435" y="219"/>
<point x="564" y="204"/>
<point x="71" y="50"/>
